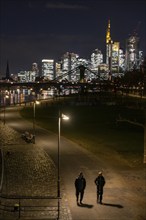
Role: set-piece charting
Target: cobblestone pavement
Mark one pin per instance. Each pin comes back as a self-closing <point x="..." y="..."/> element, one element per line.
<point x="29" y="172"/>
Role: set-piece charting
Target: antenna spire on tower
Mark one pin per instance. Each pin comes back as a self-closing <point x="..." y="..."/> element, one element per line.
<point x="108" y="33"/>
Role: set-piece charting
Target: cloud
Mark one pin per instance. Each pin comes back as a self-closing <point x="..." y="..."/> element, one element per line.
<point x="65" y="6"/>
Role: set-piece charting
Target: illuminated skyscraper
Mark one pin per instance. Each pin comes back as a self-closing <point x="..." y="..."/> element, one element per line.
<point x="48" y="69"/>
<point x="69" y="62"/>
<point x="108" y="43"/>
<point x="58" y="70"/>
<point x="112" y="54"/>
<point x="141" y="59"/>
<point x="109" y="49"/>
<point x="35" y="68"/>
<point x="115" y="57"/>
<point x="132" y="53"/>
<point x="96" y="59"/>
<point x="121" y="61"/>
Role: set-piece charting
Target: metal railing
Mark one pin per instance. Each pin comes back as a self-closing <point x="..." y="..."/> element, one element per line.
<point x="30" y="206"/>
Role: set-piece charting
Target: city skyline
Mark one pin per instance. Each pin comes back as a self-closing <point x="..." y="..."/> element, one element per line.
<point x="33" y="30"/>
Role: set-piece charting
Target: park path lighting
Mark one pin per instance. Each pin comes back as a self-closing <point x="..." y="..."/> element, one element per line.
<point x="61" y="117"/>
<point x="5" y="97"/>
<point x="34" y="106"/>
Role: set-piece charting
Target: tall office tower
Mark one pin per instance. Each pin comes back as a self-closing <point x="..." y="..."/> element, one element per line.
<point x="26" y="76"/>
<point x="96" y="59"/>
<point x="121" y="61"/>
<point x="109" y="49"/>
<point x="69" y="63"/>
<point x="103" y="71"/>
<point x="132" y="53"/>
<point x="35" y="68"/>
<point x="112" y="54"/>
<point x="58" y="71"/>
<point x="115" y="58"/>
<point x="34" y="72"/>
<point x="141" y="59"/>
<point x="48" y="69"/>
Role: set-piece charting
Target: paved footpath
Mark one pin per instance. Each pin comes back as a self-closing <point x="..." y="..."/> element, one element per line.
<point x="125" y="189"/>
<point x="29" y="172"/>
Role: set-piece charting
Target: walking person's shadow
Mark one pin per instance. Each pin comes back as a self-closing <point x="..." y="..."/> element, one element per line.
<point x="84" y="205"/>
<point x="113" y="205"/>
<point x="89" y="206"/>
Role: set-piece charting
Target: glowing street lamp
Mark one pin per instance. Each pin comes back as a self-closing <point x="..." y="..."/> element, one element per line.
<point x="61" y="117"/>
<point x="34" y="103"/>
<point x="5" y="97"/>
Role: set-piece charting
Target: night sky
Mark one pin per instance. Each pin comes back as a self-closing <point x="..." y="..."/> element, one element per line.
<point x="32" y="30"/>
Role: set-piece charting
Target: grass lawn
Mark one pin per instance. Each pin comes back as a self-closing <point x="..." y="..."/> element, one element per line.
<point x="95" y="128"/>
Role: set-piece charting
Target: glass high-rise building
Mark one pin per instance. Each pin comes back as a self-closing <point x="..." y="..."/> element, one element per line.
<point x="132" y="53"/>
<point x="112" y="54"/>
<point x="96" y="59"/>
<point x="35" y="68"/>
<point x="121" y="61"/>
<point x="69" y="63"/>
<point x="115" y="57"/>
<point x="48" y="69"/>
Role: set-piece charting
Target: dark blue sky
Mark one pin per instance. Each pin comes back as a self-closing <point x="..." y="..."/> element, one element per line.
<point x="31" y="30"/>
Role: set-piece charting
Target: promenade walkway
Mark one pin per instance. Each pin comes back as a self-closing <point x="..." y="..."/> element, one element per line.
<point x="124" y="192"/>
<point x="29" y="172"/>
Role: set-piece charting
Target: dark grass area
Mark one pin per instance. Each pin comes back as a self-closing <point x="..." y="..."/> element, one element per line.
<point x="95" y="127"/>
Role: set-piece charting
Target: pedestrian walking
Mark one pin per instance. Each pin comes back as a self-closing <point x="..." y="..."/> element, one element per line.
<point x="80" y="185"/>
<point x="100" y="182"/>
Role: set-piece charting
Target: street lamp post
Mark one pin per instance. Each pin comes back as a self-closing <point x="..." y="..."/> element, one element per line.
<point x="5" y="97"/>
<point x="34" y="105"/>
<point x="60" y="117"/>
<point x="58" y="161"/>
<point x="4" y="110"/>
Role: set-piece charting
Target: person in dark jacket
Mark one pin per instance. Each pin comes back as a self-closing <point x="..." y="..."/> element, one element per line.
<point x="100" y="182"/>
<point x="80" y="185"/>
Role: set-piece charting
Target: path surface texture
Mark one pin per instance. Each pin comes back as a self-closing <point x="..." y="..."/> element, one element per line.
<point x="31" y="170"/>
